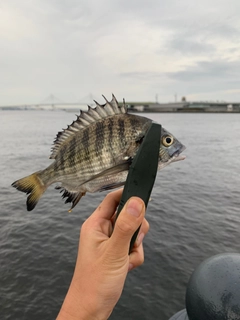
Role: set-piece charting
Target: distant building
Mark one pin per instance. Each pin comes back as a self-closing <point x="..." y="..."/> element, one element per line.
<point x="185" y="106"/>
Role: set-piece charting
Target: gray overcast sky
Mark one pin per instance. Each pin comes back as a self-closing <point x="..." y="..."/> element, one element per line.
<point x="132" y="48"/>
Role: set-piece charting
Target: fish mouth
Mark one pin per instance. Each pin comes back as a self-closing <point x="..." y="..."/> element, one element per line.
<point x="177" y="156"/>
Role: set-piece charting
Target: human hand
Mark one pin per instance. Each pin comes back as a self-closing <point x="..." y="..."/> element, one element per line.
<point x="103" y="258"/>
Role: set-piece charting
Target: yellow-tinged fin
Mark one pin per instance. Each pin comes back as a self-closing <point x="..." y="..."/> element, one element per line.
<point x="33" y="186"/>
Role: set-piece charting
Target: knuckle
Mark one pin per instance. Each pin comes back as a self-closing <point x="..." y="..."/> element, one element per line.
<point x="85" y="226"/>
<point x="141" y="261"/>
<point x="147" y="225"/>
<point x="138" y="261"/>
<point x="124" y="226"/>
<point x="109" y="195"/>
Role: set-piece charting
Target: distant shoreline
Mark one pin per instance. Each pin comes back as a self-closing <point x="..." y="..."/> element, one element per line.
<point x="183" y="111"/>
<point x="141" y="107"/>
<point x="129" y="110"/>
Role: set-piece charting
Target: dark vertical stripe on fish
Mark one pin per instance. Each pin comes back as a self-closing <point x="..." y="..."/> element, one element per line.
<point x="55" y="168"/>
<point x="61" y="162"/>
<point x="132" y="122"/>
<point x="99" y="141"/>
<point x="85" y="140"/>
<point x="110" y="137"/>
<point x="110" y="130"/>
<point x="121" y="128"/>
<point x="73" y="152"/>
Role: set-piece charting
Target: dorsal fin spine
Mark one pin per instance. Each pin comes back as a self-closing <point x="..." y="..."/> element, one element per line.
<point x="97" y="104"/>
<point x="105" y="98"/>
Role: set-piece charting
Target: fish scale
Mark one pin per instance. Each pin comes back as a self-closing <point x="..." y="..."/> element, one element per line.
<point x="94" y="153"/>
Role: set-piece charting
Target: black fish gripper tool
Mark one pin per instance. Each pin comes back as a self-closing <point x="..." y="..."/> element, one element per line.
<point x="142" y="172"/>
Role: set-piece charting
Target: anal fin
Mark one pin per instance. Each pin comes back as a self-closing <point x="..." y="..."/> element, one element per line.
<point x="73" y="197"/>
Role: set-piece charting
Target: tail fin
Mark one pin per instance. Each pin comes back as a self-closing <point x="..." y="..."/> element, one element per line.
<point x="32" y="185"/>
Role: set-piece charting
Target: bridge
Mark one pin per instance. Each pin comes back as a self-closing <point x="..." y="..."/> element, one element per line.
<point x="52" y="102"/>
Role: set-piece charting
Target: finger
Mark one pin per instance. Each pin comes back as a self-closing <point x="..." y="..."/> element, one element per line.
<point x="142" y="232"/>
<point x="136" y="257"/>
<point x="129" y="220"/>
<point x="108" y="206"/>
<point x="113" y="218"/>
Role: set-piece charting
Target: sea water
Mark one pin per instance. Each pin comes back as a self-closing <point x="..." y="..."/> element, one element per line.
<point x="194" y="213"/>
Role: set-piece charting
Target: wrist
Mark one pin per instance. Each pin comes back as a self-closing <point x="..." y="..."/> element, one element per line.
<point x="79" y="304"/>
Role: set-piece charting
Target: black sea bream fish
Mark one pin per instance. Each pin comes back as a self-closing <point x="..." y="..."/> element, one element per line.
<point x="94" y="154"/>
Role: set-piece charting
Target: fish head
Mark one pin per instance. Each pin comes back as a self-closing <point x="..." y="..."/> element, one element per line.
<point x="170" y="149"/>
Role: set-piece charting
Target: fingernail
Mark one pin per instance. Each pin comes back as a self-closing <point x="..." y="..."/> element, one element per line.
<point x="130" y="266"/>
<point x="134" y="207"/>
<point x="140" y="238"/>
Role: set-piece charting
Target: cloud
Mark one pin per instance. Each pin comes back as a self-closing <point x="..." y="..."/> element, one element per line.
<point x="222" y="70"/>
<point x="191" y="46"/>
<point x="136" y="49"/>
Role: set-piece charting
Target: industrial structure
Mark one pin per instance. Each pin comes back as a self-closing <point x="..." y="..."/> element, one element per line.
<point x="185" y="106"/>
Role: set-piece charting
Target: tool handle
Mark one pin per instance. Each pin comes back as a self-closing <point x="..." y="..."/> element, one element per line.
<point x="142" y="172"/>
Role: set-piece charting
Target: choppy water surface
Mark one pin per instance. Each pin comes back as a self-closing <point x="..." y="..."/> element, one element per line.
<point x="194" y="213"/>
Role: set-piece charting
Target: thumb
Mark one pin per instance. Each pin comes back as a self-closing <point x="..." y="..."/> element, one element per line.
<point x="129" y="219"/>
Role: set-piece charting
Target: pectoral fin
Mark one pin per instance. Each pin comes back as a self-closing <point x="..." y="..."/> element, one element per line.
<point x="111" y="171"/>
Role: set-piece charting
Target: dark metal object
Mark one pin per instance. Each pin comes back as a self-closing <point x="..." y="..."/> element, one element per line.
<point x="213" y="291"/>
<point x="142" y="172"/>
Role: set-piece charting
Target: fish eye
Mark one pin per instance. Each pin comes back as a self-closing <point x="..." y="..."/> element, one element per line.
<point x="167" y="140"/>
